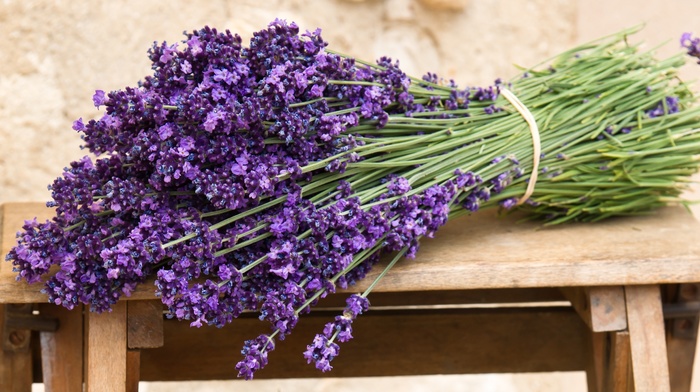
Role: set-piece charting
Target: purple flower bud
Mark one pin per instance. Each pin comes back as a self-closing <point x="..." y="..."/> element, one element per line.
<point x="508" y="203"/>
<point x="98" y="98"/>
<point x="78" y="125"/>
<point x="691" y="44"/>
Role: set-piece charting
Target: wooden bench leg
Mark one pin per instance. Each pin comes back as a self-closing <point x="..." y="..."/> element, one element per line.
<point x="628" y="341"/>
<point x="647" y="339"/>
<point x="144" y="330"/>
<point x="105" y="350"/>
<point x="601" y="308"/>
<point x="15" y="355"/>
<point x="133" y="370"/>
<point x="619" y="365"/>
<point x="681" y="356"/>
<point x="595" y="366"/>
<point x="682" y="333"/>
<point x="604" y="311"/>
<point x="609" y="367"/>
<point x="62" y="350"/>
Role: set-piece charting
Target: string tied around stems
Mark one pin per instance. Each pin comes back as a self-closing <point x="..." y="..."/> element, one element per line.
<point x="536" y="147"/>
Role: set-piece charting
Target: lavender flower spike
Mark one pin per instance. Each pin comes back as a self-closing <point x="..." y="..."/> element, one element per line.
<point x="691" y="44"/>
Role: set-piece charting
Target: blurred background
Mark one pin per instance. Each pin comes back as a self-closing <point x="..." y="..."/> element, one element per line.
<point x="55" y="53"/>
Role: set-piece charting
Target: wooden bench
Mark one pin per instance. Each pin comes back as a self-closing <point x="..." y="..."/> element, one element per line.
<point x="488" y="294"/>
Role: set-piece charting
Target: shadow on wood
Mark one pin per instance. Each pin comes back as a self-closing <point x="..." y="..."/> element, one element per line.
<point x="440" y="341"/>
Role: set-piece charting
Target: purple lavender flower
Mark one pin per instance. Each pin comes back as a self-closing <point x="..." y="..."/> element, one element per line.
<point x="398" y="186"/>
<point x="39" y="247"/>
<point x="668" y="106"/>
<point x="356" y="305"/>
<point x="98" y="98"/>
<point x="255" y="356"/>
<point x="508" y="203"/>
<point x="228" y="175"/>
<point x="691" y="44"/>
<point x="322" y="351"/>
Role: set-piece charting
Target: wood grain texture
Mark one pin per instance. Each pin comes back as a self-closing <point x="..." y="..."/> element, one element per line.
<point x="619" y="363"/>
<point x="681" y="335"/>
<point x="105" y="350"/>
<point x="62" y="351"/>
<point x="601" y="308"/>
<point x="647" y="339"/>
<point x="681" y="355"/>
<point x="610" y="364"/>
<point x="436" y="341"/>
<point x="485" y="251"/>
<point x="144" y="324"/>
<point x="595" y="362"/>
<point x="133" y="370"/>
<point x="15" y="365"/>
<point x="452" y="297"/>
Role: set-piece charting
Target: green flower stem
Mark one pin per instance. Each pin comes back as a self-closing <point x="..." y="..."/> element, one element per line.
<point x="243" y="244"/>
<point x="309" y="301"/>
<point x="359" y="259"/>
<point x="248" y="212"/>
<point x="179" y="240"/>
<point x="258" y="227"/>
<point x="342" y="111"/>
<point x="300" y="104"/>
<point x="396" y="258"/>
<point x="609" y="84"/>
<point x="353" y="83"/>
<point x="253" y="265"/>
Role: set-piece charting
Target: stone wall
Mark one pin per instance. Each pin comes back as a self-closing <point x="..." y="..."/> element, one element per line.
<point x="55" y="53"/>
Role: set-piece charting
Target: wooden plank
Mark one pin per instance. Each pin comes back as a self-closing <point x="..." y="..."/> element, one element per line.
<point x="619" y="364"/>
<point x="16" y="336"/>
<point x="601" y="308"/>
<point x="660" y="248"/>
<point x="144" y="324"/>
<point x="681" y="334"/>
<point x="595" y="366"/>
<point x="609" y="365"/>
<point x="133" y="370"/>
<point x="15" y="359"/>
<point x="681" y="356"/>
<point x="463" y="298"/>
<point x="647" y="339"/>
<point x="105" y="350"/>
<point x="695" y="382"/>
<point x="435" y="341"/>
<point x="62" y="351"/>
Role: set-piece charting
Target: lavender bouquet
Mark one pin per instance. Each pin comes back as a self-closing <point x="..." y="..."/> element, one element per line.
<point x="262" y="178"/>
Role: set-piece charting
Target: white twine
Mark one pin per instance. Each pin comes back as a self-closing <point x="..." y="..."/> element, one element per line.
<point x="536" y="148"/>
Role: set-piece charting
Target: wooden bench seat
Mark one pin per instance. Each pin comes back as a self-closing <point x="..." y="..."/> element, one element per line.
<point x="488" y="294"/>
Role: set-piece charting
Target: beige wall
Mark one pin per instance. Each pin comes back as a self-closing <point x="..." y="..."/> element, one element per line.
<point x="55" y="53"/>
<point x="664" y="22"/>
